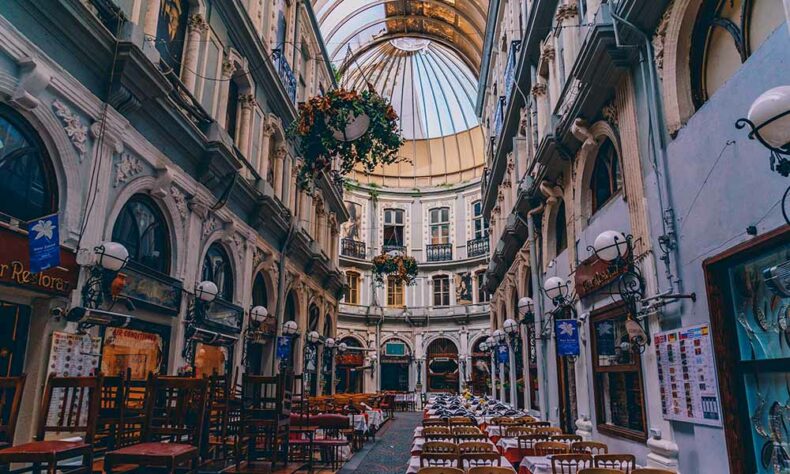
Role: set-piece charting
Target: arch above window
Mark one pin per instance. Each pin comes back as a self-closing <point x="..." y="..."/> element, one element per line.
<point x="27" y="179"/>
<point x="142" y="229"/>
<point x="217" y="268"/>
<point x="606" y="179"/>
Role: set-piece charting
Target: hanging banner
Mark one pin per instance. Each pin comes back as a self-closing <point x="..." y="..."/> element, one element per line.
<point x="567" y="332"/>
<point x="283" y="347"/>
<point x="44" y="242"/>
<point x="502" y="355"/>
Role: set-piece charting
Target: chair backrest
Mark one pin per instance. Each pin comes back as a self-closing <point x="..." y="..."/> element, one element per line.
<point x="70" y="405"/>
<point x="623" y="462"/>
<point x="591" y="447"/>
<point x="443" y="438"/>
<point x="529" y="441"/>
<point x="600" y="470"/>
<point x="439" y="447"/>
<point x="434" y="430"/>
<point x="570" y="463"/>
<point x="175" y="409"/>
<point x="476" y="459"/>
<point x="652" y="470"/>
<point x="467" y="438"/>
<point x="262" y="398"/>
<point x="461" y="420"/>
<point x="525" y="419"/>
<point x="11" y="389"/>
<point x="516" y="431"/>
<point x="566" y="438"/>
<point x="502" y="420"/>
<point x="440" y="470"/>
<point x="544" y="448"/>
<point x="490" y="470"/>
<point x="537" y="424"/>
<point x="464" y="430"/>
<point x="549" y="430"/>
<point x="475" y="447"/>
<point x="434" y="422"/>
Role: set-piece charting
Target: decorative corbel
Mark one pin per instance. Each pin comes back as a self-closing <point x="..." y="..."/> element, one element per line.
<point x="581" y="131"/>
<point x="34" y="78"/>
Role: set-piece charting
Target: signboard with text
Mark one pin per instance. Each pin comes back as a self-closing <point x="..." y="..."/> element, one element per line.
<point x="44" y="243"/>
<point x="15" y="267"/>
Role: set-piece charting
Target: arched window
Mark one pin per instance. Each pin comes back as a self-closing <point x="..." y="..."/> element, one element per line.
<point x="606" y="180"/>
<point x="726" y="33"/>
<point x="314" y="315"/>
<point x="217" y="268"/>
<point x="560" y="229"/>
<point x="142" y="229"/>
<point x="260" y="295"/>
<point x="27" y="181"/>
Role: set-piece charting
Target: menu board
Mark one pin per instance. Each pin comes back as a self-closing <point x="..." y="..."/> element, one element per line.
<point x="71" y="355"/>
<point x="687" y="376"/>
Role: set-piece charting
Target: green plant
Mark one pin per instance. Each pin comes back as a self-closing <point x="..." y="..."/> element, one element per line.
<point x="400" y="267"/>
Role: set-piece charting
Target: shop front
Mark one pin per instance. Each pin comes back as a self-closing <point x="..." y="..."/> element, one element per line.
<point x="211" y="336"/>
<point x="395" y="363"/>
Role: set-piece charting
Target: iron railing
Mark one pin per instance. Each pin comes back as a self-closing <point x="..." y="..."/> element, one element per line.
<point x="510" y="69"/>
<point x="439" y="252"/>
<point x="396" y="248"/>
<point x="477" y="247"/>
<point x="285" y="72"/>
<point x="352" y="248"/>
<point x="499" y="116"/>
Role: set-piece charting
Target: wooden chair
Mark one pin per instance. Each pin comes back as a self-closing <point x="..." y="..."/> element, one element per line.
<point x="175" y="410"/>
<point x="119" y="423"/>
<point x="517" y="431"/>
<point x="591" y="447"/>
<point x="440" y="470"/>
<point x="477" y="459"/>
<point x="491" y="470"/>
<point x="545" y="448"/>
<point x="438" y="454"/>
<point x="652" y="470"/>
<point x="466" y="430"/>
<point x="265" y="418"/>
<point x="525" y="419"/>
<point x="11" y="389"/>
<point x="526" y="443"/>
<point x="566" y="438"/>
<point x="537" y="424"/>
<point x="570" y="463"/>
<point x="600" y="470"/>
<point x="223" y="435"/>
<point x="623" y="462"/>
<point x="441" y="438"/>
<point x="433" y="422"/>
<point x="476" y="447"/>
<point x="471" y="438"/>
<point x="70" y="406"/>
<point x="549" y="430"/>
<point x="461" y="421"/>
<point x="436" y="430"/>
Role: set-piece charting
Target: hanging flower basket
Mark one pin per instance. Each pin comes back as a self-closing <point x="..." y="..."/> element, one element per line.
<point x="348" y="126"/>
<point x="394" y="265"/>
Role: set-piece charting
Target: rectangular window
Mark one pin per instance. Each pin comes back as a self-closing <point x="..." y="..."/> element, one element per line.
<point x="352" y="295"/>
<point x="619" y="397"/>
<point x="211" y="71"/>
<point x="440" y="225"/>
<point x="441" y="291"/>
<point x="255" y="144"/>
<point x="394" y="292"/>
<point x="394" y="228"/>
<point x="482" y="294"/>
<point x="582" y="11"/>
<point x="479" y="225"/>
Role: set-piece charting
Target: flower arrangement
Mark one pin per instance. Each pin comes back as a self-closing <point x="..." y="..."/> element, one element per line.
<point x="321" y="127"/>
<point x="394" y="265"/>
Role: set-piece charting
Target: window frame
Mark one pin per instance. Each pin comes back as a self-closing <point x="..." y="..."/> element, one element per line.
<point x="396" y="293"/>
<point x="479" y="276"/>
<point x="560" y="229"/>
<point x="615" y="182"/>
<point x="224" y="293"/>
<point x="440" y="224"/>
<point x="156" y="211"/>
<point x="441" y="291"/>
<point x="614" y="311"/>
<point x="398" y="228"/>
<point x="478" y="220"/>
<point x="352" y="294"/>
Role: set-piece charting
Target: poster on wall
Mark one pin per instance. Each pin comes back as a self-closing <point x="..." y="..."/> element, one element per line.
<point x="71" y="355"/>
<point x="687" y="376"/>
<point x="140" y="351"/>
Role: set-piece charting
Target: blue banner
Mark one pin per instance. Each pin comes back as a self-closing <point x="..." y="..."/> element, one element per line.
<point x="283" y="347"/>
<point x="567" y="332"/>
<point x="44" y="242"/>
<point x="501" y="353"/>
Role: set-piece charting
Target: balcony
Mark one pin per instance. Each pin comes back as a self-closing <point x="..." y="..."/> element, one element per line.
<point x="510" y="70"/>
<point x="477" y="247"/>
<point x="393" y="248"/>
<point x="352" y="248"/>
<point x="439" y="252"/>
<point x="285" y="72"/>
<point x="499" y="116"/>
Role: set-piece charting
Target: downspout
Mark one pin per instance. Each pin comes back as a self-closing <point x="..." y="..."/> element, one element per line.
<point x="534" y="263"/>
<point x="281" y="281"/>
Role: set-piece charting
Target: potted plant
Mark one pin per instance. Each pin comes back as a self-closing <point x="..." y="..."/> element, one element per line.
<point x="354" y="128"/>
<point x="394" y="265"/>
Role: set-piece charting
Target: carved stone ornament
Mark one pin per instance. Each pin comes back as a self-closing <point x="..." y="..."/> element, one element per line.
<point x="659" y="39"/>
<point x="210" y="225"/>
<point x="247" y="101"/>
<point x="181" y="202"/>
<point x="228" y="67"/>
<point x="197" y="23"/>
<point x="570" y="97"/>
<point x="126" y="168"/>
<point x="73" y="126"/>
<point x="548" y="53"/>
<point x="609" y="113"/>
<point x="539" y="89"/>
<point x="567" y="11"/>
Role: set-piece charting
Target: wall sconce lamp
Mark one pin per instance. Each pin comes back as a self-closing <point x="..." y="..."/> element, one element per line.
<point x="254" y="331"/>
<point x="110" y="258"/>
<point x="769" y="122"/>
<point x="526" y="310"/>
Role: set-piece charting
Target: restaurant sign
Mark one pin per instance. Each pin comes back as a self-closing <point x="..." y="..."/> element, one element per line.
<point x="593" y="274"/>
<point x="15" y="266"/>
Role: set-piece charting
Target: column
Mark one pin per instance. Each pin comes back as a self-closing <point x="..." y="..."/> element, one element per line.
<point x="293" y="190"/>
<point x="567" y="16"/>
<point x="279" y="158"/>
<point x="512" y="361"/>
<point x="151" y="17"/>
<point x="286" y="180"/>
<point x="304" y="208"/>
<point x="195" y="29"/>
<point x="247" y="103"/>
<point x="493" y="373"/>
<point x="267" y="132"/>
<point x="227" y="72"/>
<point x="539" y="91"/>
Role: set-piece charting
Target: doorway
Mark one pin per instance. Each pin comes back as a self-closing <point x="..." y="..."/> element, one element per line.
<point x="14" y="325"/>
<point x="395" y="376"/>
<point x="443" y="370"/>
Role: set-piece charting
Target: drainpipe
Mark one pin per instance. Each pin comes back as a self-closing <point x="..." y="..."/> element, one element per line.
<point x="281" y="282"/>
<point x="534" y="262"/>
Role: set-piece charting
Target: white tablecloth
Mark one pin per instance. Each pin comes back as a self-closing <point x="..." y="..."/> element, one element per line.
<point x="507" y="443"/>
<point x="414" y="465"/>
<point x="537" y="464"/>
<point x="358" y="422"/>
<point x="375" y="418"/>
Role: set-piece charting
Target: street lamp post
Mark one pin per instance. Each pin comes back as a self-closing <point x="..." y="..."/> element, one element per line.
<point x="499" y="339"/>
<point x="492" y="349"/>
<point x="511" y="331"/>
<point x="526" y="314"/>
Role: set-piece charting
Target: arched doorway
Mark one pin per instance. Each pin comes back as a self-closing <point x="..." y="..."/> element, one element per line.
<point x="481" y="370"/>
<point x="260" y="297"/>
<point x="395" y="365"/>
<point x="348" y="378"/>
<point x="442" y="365"/>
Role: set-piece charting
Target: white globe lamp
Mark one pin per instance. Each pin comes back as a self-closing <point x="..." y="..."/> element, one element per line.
<point x="290" y="328"/>
<point x="555" y="287"/>
<point x="206" y="291"/>
<point x="510" y="326"/>
<point x="610" y="245"/>
<point x="259" y="314"/>
<point x="111" y="256"/>
<point x="766" y="108"/>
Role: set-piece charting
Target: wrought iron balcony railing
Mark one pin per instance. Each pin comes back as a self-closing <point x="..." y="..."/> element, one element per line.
<point x="499" y="116"/>
<point x="510" y="69"/>
<point x="396" y="248"/>
<point x="352" y="248"/>
<point x="285" y="72"/>
<point x="439" y="252"/>
<point x="477" y="247"/>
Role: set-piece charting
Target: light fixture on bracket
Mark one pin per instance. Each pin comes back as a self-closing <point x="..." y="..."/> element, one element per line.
<point x="109" y="259"/>
<point x="526" y="310"/>
<point x="254" y="331"/>
<point x="769" y="123"/>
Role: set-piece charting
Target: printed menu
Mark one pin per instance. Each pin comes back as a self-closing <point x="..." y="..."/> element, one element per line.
<point x="687" y="376"/>
<point x="71" y="355"/>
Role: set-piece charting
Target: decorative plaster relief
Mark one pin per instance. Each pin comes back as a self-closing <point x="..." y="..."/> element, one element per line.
<point x="127" y="168"/>
<point x="181" y="202"/>
<point x="73" y="126"/>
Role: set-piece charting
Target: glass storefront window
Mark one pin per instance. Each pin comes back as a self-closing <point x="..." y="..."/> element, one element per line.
<point x="140" y="351"/>
<point x="210" y="360"/>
